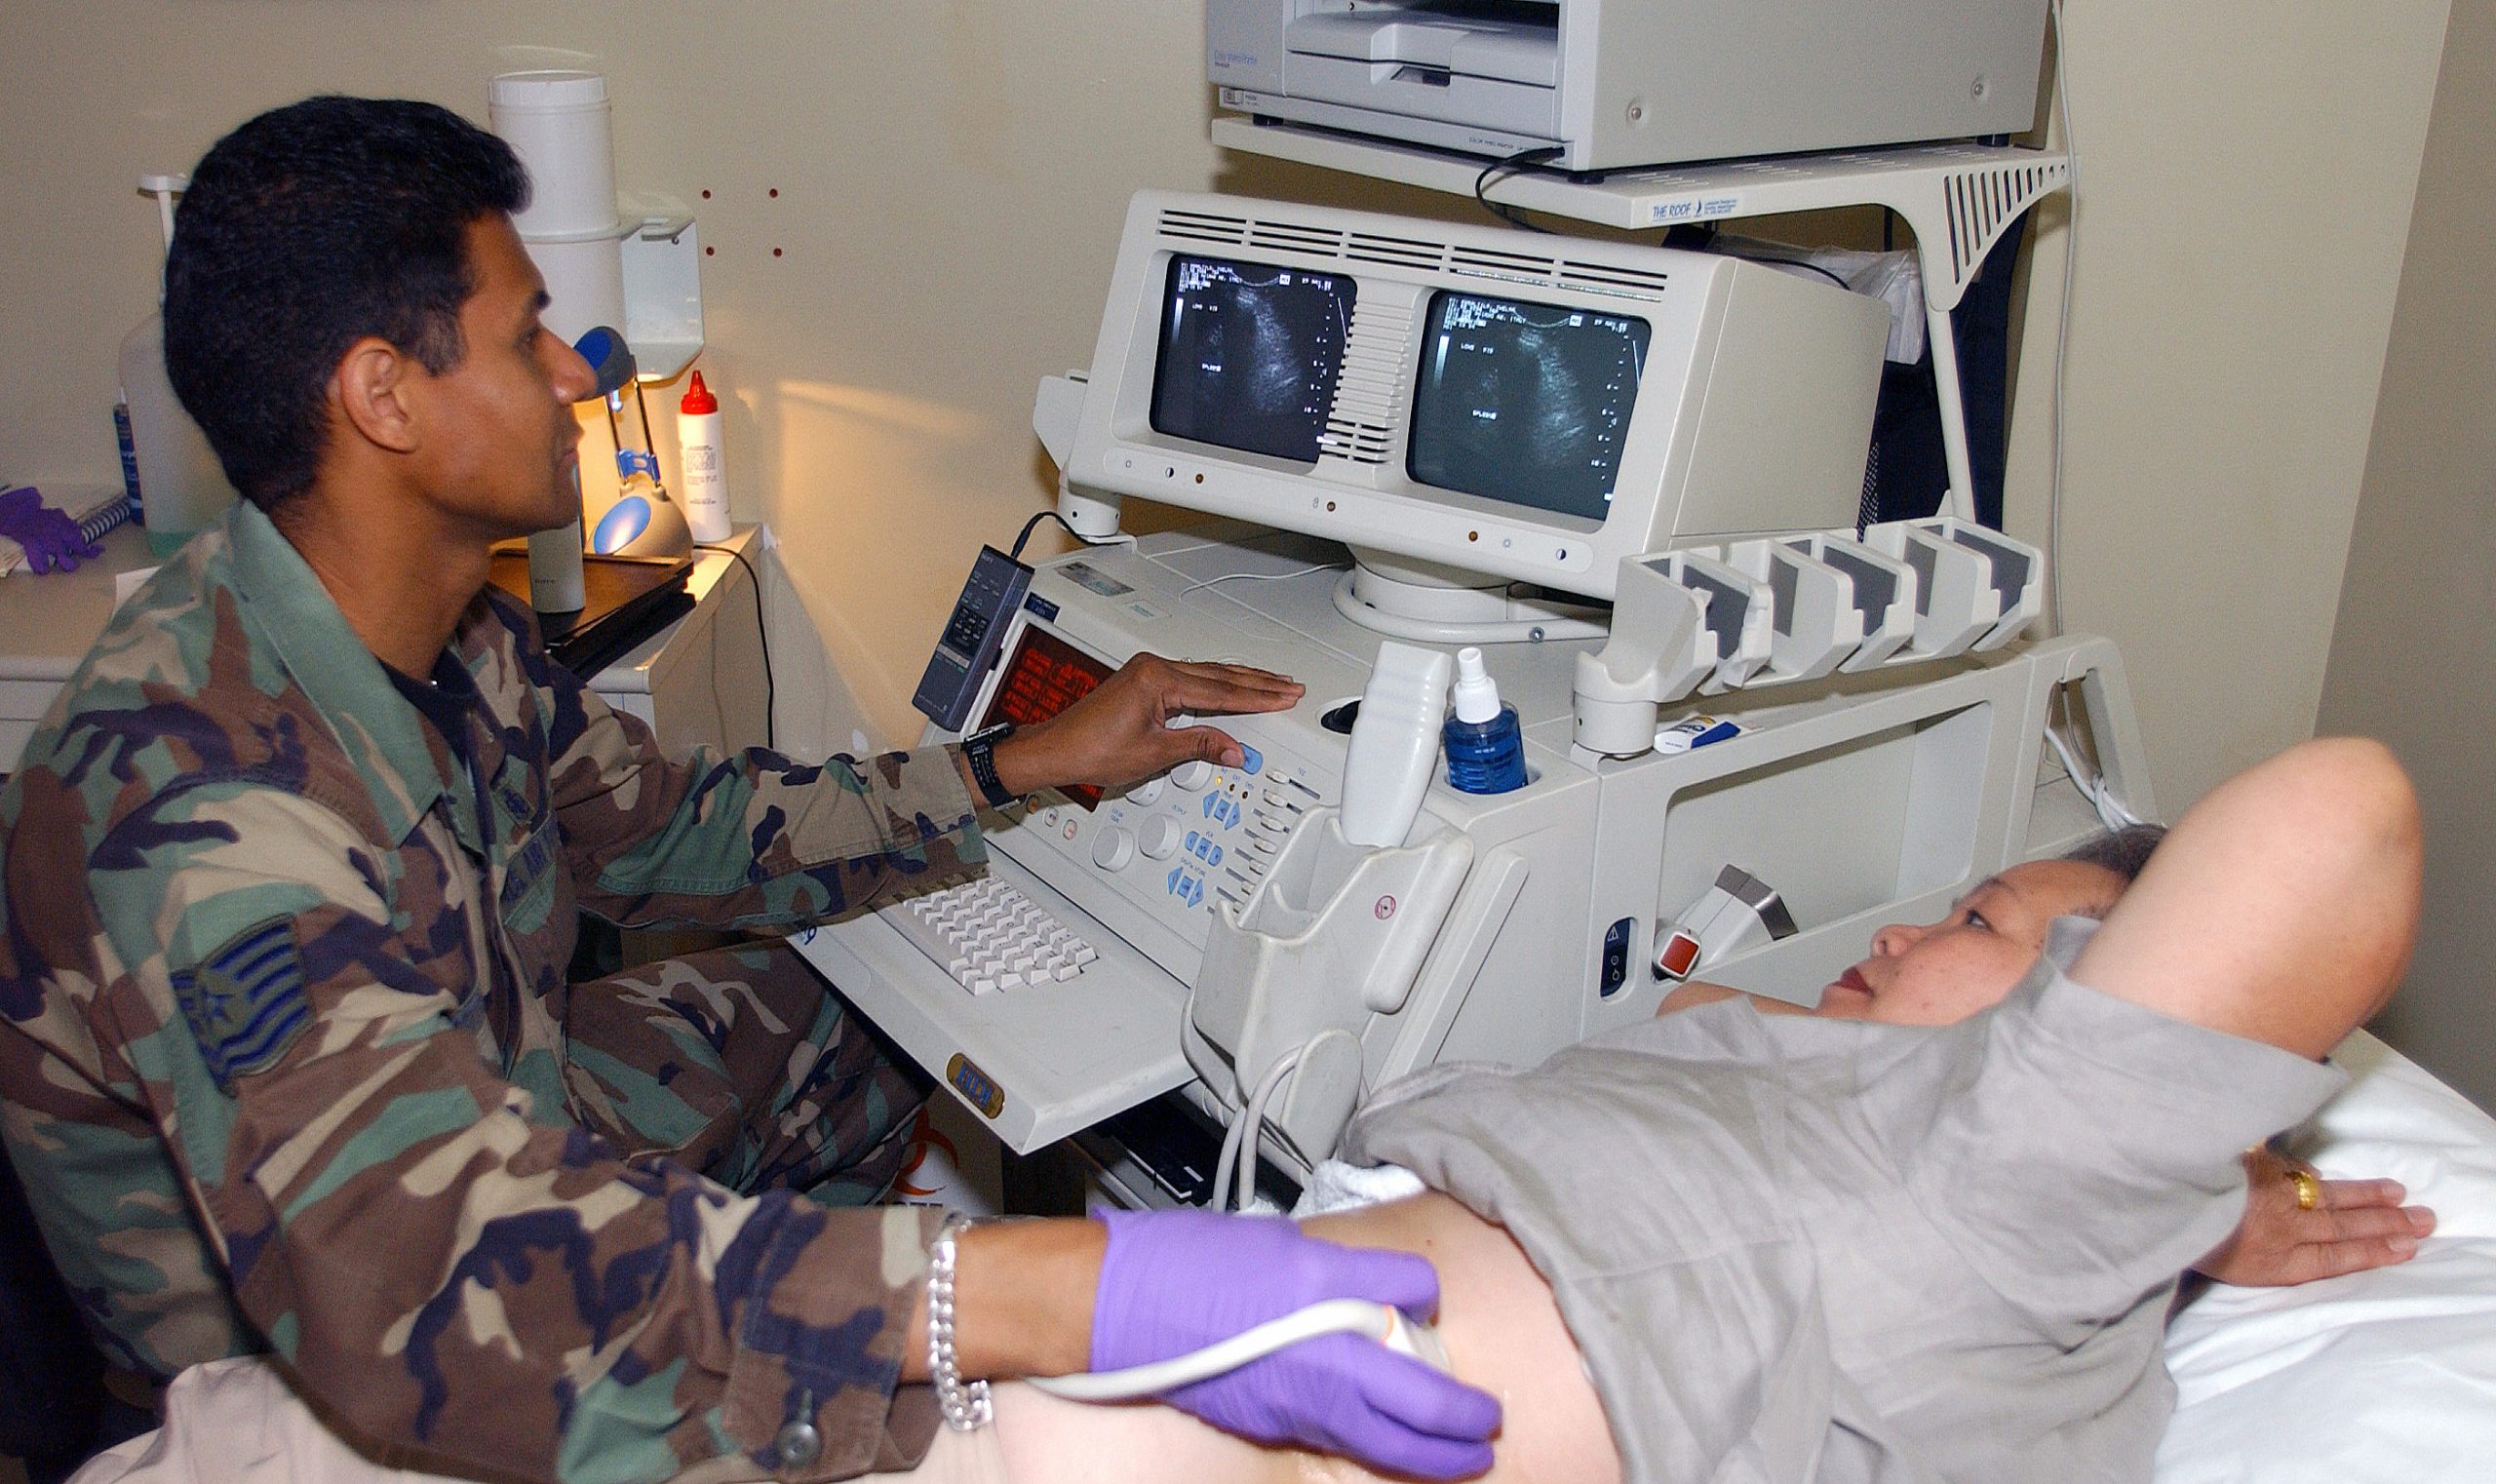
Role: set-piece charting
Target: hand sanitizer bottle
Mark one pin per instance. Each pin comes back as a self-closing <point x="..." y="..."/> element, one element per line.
<point x="1485" y="750"/>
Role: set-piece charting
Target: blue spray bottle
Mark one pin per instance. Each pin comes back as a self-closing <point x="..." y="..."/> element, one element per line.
<point x="1485" y="750"/>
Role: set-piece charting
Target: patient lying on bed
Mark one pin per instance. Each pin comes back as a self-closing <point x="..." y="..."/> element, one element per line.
<point x="1929" y="1231"/>
<point x="1939" y="1241"/>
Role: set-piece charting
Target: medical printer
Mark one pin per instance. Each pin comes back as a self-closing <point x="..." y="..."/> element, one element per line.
<point x="1611" y="84"/>
<point x="1627" y="475"/>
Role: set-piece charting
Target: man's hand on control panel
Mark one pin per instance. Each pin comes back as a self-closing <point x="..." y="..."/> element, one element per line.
<point x="1122" y="733"/>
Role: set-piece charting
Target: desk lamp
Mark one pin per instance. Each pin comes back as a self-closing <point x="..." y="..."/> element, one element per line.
<point x="643" y="521"/>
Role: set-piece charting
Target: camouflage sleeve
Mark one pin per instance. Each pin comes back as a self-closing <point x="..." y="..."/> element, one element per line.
<point x="443" y="1263"/>
<point x="750" y="839"/>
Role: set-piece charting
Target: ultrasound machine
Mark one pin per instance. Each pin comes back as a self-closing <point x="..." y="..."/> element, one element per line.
<point x="1630" y="476"/>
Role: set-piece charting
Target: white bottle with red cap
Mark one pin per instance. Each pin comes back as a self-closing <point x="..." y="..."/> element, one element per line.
<point x="705" y="477"/>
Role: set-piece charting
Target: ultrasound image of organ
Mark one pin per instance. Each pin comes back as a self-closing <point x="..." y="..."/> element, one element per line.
<point x="1248" y="355"/>
<point x="1525" y="403"/>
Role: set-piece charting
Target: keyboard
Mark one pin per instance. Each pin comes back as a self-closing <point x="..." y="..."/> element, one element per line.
<point x="991" y="937"/>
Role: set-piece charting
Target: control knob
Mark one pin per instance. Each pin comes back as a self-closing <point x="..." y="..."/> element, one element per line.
<point x="1161" y="837"/>
<point x="1112" y="847"/>
<point x="1192" y="775"/>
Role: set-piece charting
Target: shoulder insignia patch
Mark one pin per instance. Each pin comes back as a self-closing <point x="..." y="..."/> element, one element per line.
<point x="245" y="1004"/>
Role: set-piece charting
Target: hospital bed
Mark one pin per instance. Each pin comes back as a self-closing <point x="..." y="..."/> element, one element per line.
<point x="2378" y="1378"/>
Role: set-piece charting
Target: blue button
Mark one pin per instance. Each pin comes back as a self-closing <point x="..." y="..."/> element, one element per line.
<point x="1216" y="857"/>
<point x="1210" y="801"/>
<point x="1193" y="837"/>
<point x="1173" y="884"/>
<point x="1254" y="762"/>
<point x="1195" y="892"/>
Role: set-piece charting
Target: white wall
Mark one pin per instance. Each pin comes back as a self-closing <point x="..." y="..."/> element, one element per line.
<point x="951" y="175"/>
<point x="2246" y="174"/>
<point x="2413" y="659"/>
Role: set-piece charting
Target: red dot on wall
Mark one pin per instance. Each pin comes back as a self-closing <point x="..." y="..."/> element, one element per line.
<point x="775" y="251"/>
<point x="776" y="193"/>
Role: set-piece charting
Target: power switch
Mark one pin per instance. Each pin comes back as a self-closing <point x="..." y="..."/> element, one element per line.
<point x="1616" y="957"/>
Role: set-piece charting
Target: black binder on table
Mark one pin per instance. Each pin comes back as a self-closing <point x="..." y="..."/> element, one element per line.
<point x="630" y="599"/>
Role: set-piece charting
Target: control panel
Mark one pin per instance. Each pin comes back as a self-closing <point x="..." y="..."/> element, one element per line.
<point x="1169" y="849"/>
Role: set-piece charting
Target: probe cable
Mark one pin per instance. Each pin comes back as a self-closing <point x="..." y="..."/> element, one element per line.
<point x="1381" y="1322"/>
<point x="1239" y="1142"/>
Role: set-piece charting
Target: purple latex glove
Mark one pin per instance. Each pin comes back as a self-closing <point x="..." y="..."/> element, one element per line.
<point x="1175" y="1281"/>
<point x="49" y="538"/>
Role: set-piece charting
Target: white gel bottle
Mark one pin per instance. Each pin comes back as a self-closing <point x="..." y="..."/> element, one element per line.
<point x="704" y="476"/>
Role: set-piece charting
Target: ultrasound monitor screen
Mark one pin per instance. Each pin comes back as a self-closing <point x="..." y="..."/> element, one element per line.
<point x="1248" y="355"/>
<point x="1525" y="403"/>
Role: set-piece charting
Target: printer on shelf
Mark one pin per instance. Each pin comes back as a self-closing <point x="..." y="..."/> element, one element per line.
<point x="1613" y="84"/>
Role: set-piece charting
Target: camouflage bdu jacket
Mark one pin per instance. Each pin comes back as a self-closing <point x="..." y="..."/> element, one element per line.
<point x="280" y="1038"/>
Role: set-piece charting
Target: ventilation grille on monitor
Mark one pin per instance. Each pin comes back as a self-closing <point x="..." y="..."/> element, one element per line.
<point x="1512" y="264"/>
<point x="1368" y="395"/>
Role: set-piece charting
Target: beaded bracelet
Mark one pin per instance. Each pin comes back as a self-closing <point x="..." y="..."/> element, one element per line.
<point x="965" y="1405"/>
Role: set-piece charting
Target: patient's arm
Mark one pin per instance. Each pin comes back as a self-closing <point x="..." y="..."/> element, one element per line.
<point x="2281" y="908"/>
<point x="1497" y="1317"/>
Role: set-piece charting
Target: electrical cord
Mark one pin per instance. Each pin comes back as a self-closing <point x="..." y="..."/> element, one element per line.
<point x="1023" y="537"/>
<point x="1382" y="1322"/>
<point x="1795" y="262"/>
<point x="2112" y="812"/>
<point x="1321" y="567"/>
<point x="761" y="634"/>
<point x="2062" y="324"/>
<point x="1509" y="166"/>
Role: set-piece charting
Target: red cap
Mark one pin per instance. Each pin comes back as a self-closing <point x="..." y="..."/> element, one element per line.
<point x="698" y="399"/>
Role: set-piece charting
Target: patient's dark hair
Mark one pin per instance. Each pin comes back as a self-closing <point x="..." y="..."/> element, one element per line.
<point x="303" y="231"/>
<point x="2125" y="851"/>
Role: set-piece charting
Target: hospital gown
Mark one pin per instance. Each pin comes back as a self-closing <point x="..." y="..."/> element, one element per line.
<point x="1799" y="1250"/>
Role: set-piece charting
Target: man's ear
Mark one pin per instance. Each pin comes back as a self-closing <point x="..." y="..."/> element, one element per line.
<point x="375" y="396"/>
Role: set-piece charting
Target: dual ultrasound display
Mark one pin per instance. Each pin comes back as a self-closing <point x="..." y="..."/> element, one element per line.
<point x="1521" y="402"/>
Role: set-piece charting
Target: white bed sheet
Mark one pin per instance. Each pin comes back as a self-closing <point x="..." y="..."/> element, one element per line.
<point x="2385" y="1377"/>
<point x="2379" y="1378"/>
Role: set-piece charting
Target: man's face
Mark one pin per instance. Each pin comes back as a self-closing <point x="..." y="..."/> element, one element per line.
<point x="1941" y="974"/>
<point x="502" y="452"/>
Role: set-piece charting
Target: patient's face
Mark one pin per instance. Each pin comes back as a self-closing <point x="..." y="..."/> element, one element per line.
<point x="1942" y="973"/>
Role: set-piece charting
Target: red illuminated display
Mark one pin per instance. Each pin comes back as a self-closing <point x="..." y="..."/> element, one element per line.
<point x="1045" y="675"/>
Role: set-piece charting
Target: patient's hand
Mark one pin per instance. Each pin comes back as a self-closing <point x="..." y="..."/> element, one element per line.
<point x="2355" y="1224"/>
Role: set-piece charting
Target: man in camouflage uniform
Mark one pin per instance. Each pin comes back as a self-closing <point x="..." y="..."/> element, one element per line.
<point x="288" y="1058"/>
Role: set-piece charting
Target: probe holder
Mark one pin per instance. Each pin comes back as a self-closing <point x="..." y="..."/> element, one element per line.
<point x="1976" y="588"/>
<point x="1678" y="619"/>
<point x="1882" y="591"/>
<point x="1337" y="933"/>
<point x="1660" y="648"/>
<point x="1816" y="624"/>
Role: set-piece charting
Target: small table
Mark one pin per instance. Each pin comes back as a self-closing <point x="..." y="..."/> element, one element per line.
<point x="698" y="682"/>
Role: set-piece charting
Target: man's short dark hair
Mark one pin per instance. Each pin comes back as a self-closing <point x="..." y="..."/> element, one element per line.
<point x="303" y="231"/>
